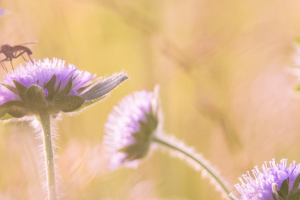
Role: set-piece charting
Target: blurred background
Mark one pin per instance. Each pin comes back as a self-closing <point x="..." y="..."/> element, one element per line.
<point x="225" y="89"/>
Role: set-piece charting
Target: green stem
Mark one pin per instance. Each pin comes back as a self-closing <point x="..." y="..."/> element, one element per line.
<point x="184" y="151"/>
<point x="49" y="153"/>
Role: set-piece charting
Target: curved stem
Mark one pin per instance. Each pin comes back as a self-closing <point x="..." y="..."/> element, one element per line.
<point x="49" y="155"/>
<point x="202" y="163"/>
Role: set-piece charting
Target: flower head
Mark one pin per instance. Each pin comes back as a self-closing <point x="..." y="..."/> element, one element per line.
<point x="4" y="12"/>
<point x="275" y="182"/>
<point x="130" y="127"/>
<point x="51" y="86"/>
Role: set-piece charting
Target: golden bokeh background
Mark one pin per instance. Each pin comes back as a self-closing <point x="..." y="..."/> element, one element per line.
<point x="225" y="89"/>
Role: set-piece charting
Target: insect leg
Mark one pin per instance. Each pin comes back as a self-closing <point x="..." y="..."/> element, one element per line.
<point x="24" y="58"/>
<point x="30" y="58"/>
<point x="21" y="54"/>
<point x="5" y="59"/>
<point x="3" y="66"/>
<point x="12" y="65"/>
<point x="15" y="55"/>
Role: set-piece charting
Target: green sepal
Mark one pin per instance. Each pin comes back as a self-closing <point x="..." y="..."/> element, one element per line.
<point x="62" y="94"/>
<point x="3" y="112"/>
<point x="58" y="87"/>
<point x="143" y="137"/>
<point x="35" y="99"/>
<point x="21" y="89"/>
<point x="296" y="184"/>
<point x="152" y="120"/>
<point x="69" y="103"/>
<point x="282" y="197"/>
<point x="103" y="87"/>
<point x="275" y="192"/>
<point x="18" y="112"/>
<point x="12" y="89"/>
<point x="284" y="189"/>
<point x="144" y="132"/>
<point x="50" y="87"/>
<point x="14" y="108"/>
<point x="146" y="128"/>
<point x="88" y="103"/>
<point x="87" y="86"/>
<point x="136" y="151"/>
<point x="6" y="117"/>
<point x="294" y="196"/>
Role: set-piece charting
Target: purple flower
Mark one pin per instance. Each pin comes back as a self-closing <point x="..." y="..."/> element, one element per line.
<point x="4" y="12"/>
<point x="130" y="127"/>
<point x="51" y="86"/>
<point x="277" y="182"/>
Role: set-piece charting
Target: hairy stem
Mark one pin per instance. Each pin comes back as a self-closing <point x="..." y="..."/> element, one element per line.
<point x="49" y="155"/>
<point x="203" y="163"/>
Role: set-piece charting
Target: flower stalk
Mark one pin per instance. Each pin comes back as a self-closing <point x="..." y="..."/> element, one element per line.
<point x="135" y="124"/>
<point x="215" y="178"/>
<point x="44" y="90"/>
<point x="49" y="155"/>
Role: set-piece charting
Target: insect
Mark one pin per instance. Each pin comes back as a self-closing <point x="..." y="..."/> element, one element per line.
<point x="14" y="51"/>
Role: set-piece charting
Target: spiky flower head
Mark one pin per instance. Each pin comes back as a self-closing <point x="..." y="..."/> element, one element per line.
<point x="130" y="128"/>
<point x="278" y="181"/>
<point x="53" y="87"/>
<point x="4" y="12"/>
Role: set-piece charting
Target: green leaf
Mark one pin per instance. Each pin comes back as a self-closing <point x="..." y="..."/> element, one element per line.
<point x="35" y="99"/>
<point x="21" y="89"/>
<point x="284" y="189"/>
<point x="103" y="87"/>
<point x="50" y="88"/>
<point x="69" y="103"/>
<point x="65" y="91"/>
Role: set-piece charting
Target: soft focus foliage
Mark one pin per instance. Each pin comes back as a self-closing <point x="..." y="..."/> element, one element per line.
<point x="223" y="84"/>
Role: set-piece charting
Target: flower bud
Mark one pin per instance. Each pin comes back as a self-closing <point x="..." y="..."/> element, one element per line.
<point x="130" y="128"/>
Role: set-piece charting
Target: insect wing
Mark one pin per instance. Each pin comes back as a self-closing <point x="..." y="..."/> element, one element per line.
<point x="24" y="43"/>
